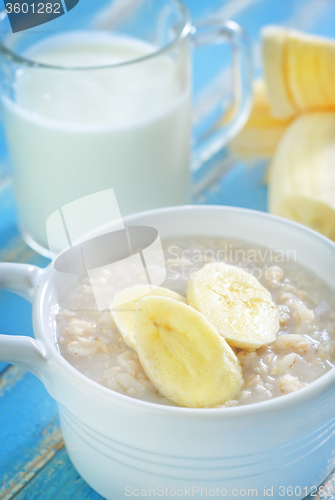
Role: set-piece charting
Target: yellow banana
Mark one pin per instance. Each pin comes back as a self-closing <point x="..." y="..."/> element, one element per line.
<point x="262" y="132"/>
<point x="234" y="301"/>
<point x="302" y="173"/>
<point x="123" y="308"/>
<point x="183" y="355"/>
<point x="299" y="71"/>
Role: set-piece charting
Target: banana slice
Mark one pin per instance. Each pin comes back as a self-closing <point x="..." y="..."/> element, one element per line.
<point x="262" y="132"/>
<point x="234" y="301"/>
<point x="123" y="308"/>
<point x="299" y="71"/>
<point x="183" y="355"/>
<point x="302" y="173"/>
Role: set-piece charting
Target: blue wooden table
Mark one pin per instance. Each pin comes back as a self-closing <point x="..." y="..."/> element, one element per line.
<point x="33" y="461"/>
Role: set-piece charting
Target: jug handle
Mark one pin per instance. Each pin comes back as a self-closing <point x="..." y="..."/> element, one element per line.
<point x="211" y="32"/>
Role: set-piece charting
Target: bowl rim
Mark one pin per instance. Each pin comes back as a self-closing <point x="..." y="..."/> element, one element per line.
<point x="303" y="395"/>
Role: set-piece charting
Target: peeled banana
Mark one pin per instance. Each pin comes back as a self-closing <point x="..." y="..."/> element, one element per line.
<point x="123" y="308"/>
<point x="299" y="71"/>
<point x="183" y="355"/>
<point x="262" y="132"/>
<point x="302" y="173"/>
<point x="236" y="304"/>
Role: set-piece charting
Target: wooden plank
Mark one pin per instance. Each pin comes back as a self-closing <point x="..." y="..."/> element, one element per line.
<point x="18" y="251"/>
<point x="242" y="186"/>
<point x="29" y="429"/>
<point x="15" y="317"/>
<point x="58" y="479"/>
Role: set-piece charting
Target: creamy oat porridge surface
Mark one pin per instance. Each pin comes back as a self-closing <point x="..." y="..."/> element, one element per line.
<point x="303" y="351"/>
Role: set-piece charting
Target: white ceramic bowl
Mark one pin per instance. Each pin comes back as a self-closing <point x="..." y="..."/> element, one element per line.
<point x="121" y="445"/>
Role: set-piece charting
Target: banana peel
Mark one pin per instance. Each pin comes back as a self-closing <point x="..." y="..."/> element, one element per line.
<point x="262" y="132"/>
<point x="299" y="71"/>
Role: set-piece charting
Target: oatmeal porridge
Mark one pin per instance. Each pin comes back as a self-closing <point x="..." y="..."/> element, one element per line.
<point x="302" y="351"/>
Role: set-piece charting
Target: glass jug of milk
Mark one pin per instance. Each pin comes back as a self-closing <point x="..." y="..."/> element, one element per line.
<point x="103" y="100"/>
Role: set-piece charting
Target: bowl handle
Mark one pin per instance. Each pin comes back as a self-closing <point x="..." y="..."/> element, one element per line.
<point x="23" y="351"/>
